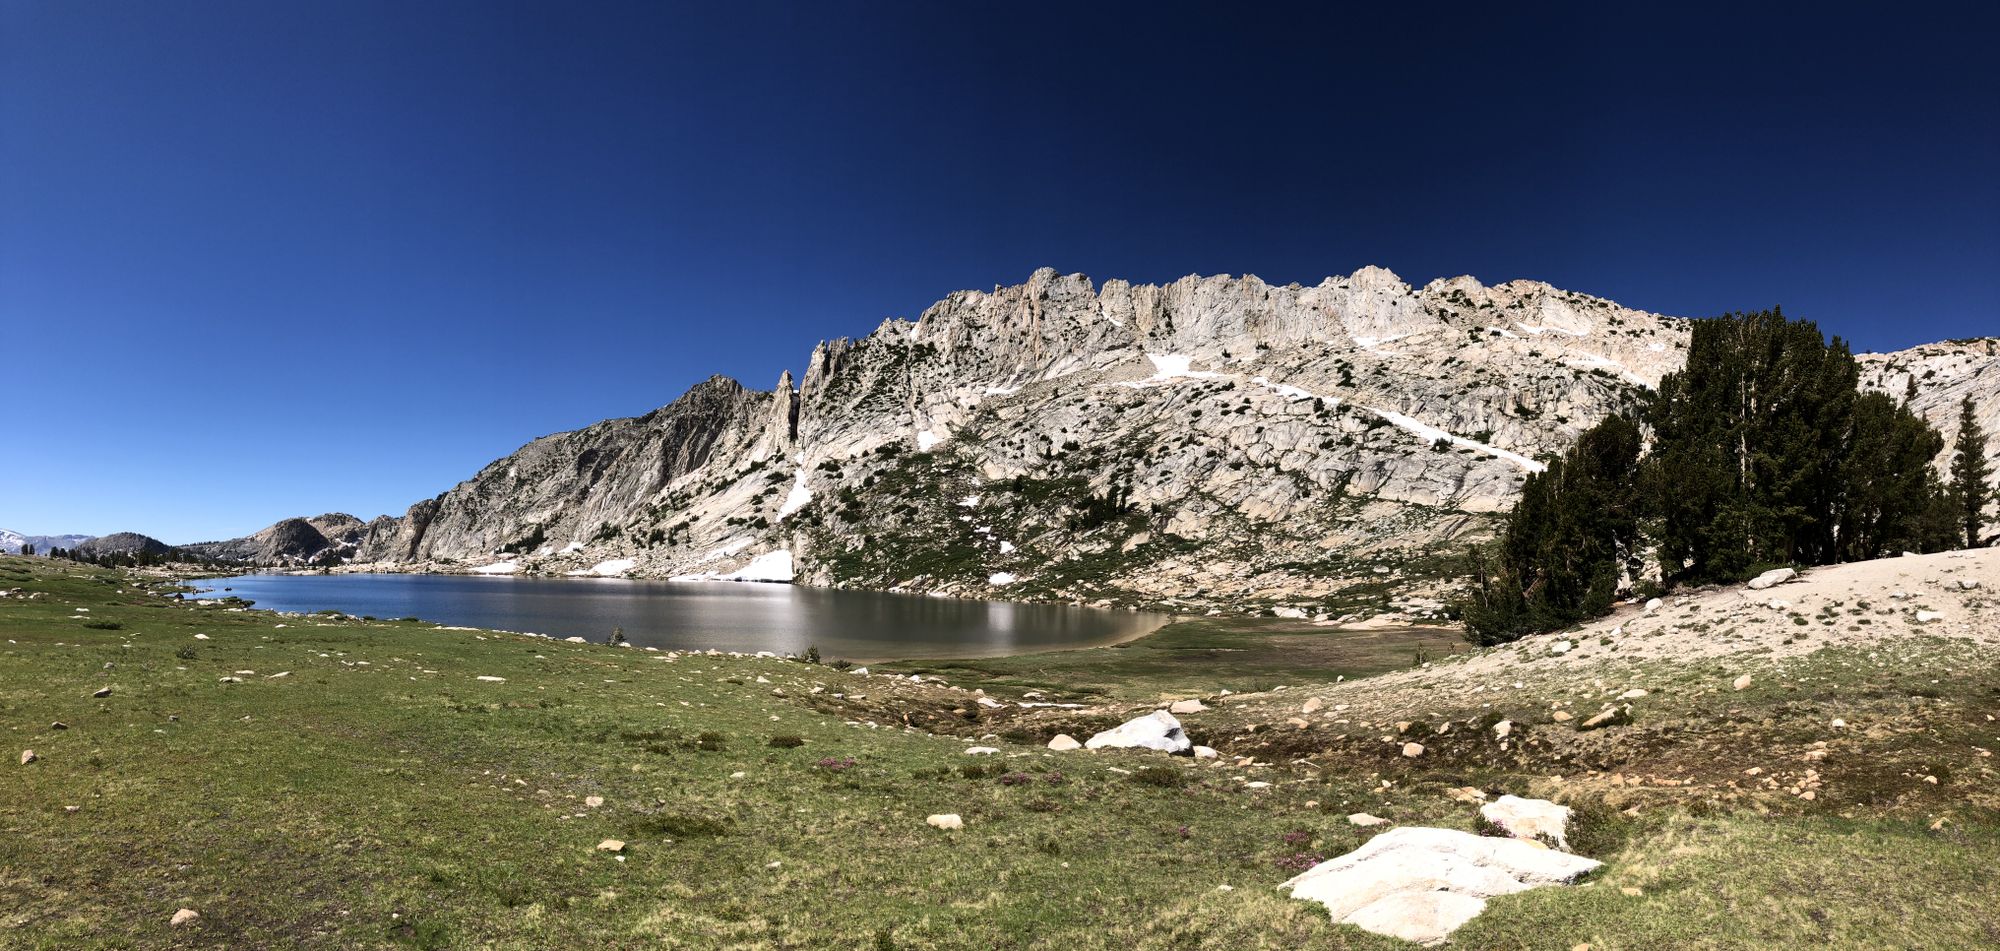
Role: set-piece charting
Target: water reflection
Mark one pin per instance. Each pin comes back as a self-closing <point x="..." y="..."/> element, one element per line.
<point x="857" y="625"/>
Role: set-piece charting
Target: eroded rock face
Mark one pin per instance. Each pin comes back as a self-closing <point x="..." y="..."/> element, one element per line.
<point x="1421" y="884"/>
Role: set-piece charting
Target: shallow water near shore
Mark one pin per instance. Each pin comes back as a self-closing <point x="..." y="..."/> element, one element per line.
<point x="855" y="625"/>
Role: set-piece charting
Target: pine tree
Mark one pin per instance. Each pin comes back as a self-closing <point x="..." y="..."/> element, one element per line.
<point x="1559" y="557"/>
<point x="1764" y="452"/>
<point x="1749" y="441"/>
<point x="1891" y="497"/>
<point x="1969" y="474"/>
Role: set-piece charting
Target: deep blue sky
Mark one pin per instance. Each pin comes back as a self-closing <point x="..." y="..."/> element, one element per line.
<point x="261" y="259"/>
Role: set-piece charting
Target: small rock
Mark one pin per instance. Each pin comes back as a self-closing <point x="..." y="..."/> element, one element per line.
<point x="611" y="845"/>
<point x="948" y="820"/>
<point x="490" y="679"/>
<point x="28" y="756"/>
<point x="1259" y="784"/>
<point x="593" y="801"/>
<point x="102" y="692"/>
<point x="1467" y="794"/>
<point x="1503" y="728"/>
<point x="1609" y="716"/>
<point x="1205" y="752"/>
<point x="1630" y="892"/>
<point x="1839" y="724"/>
<point x="1413" y="750"/>
<point x="1561" y="647"/>
<point x="1651" y="606"/>
<point x="1632" y="694"/>
<point x="185" y="916"/>
<point x="1187" y="706"/>
<point x="1312" y="706"/>
<point x="1775" y="576"/>
<point x="1365" y="820"/>
<point x="1742" y="683"/>
<point x="1926" y="617"/>
<point x="981" y="750"/>
<point x="1560" y="716"/>
<point x="58" y="725"/>
<point x="1064" y="742"/>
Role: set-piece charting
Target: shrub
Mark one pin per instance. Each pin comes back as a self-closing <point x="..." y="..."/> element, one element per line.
<point x="787" y="741"/>
<point x="711" y="741"/>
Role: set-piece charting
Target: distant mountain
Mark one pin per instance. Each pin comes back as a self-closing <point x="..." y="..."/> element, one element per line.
<point x="124" y="543"/>
<point x="11" y="542"/>
<point x="324" y="539"/>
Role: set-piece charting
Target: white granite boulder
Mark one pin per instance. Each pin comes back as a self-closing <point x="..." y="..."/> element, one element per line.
<point x="1155" y="731"/>
<point x="1775" y="576"/>
<point x="1420" y="884"/>
<point x="1530" y="819"/>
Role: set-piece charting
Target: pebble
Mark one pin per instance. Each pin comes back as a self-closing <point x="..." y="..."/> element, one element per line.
<point x="28" y="756"/>
<point x="1413" y="750"/>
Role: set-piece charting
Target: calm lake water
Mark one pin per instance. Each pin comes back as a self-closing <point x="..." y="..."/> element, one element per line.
<point x="856" y="625"/>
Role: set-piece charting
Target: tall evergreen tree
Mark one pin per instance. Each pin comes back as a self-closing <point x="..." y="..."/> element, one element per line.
<point x="1564" y="543"/>
<point x="1969" y="474"/>
<point x="1891" y="498"/>
<point x="1749" y="439"/>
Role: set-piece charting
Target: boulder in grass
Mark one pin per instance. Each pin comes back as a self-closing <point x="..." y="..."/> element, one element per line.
<point x="1154" y="731"/>
<point x="611" y="845"/>
<point x="947" y="821"/>
<point x="1064" y="742"/>
<point x="185" y="916"/>
<point x="1530" y="819"/>
<point x="1775" y="576"/>
<point x="1420" y="884"/>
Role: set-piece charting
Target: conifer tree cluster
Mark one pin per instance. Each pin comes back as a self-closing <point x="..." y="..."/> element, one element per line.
<point x="1762" y="452"/>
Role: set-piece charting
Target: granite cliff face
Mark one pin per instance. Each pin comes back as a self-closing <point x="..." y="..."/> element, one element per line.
<point x="1214" y="442"/>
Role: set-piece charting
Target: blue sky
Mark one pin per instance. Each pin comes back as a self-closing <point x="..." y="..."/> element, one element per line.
<point x="264" y="259"/>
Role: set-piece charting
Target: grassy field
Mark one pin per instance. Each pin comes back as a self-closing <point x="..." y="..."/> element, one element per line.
<point x="1202" y="656"/>
<point x="330" y="782"/>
